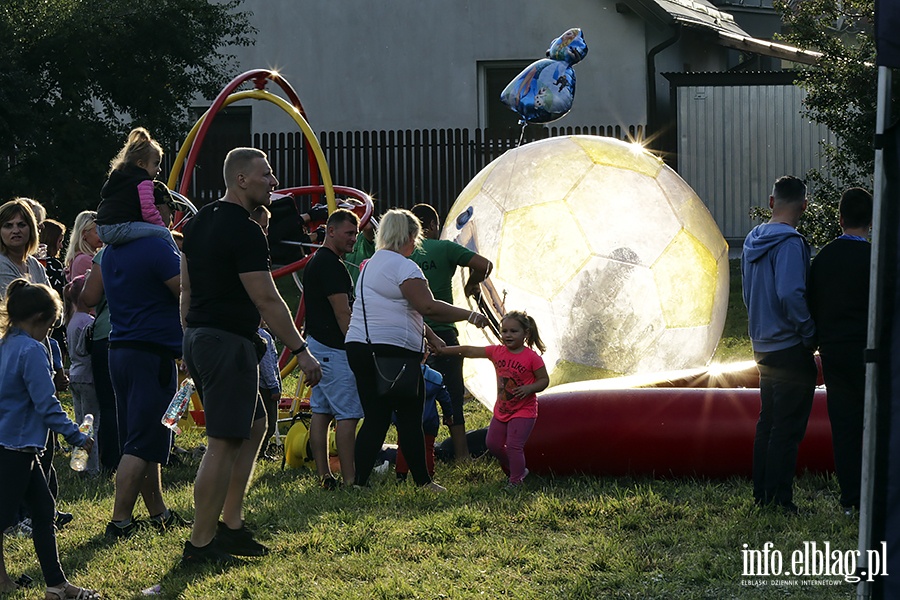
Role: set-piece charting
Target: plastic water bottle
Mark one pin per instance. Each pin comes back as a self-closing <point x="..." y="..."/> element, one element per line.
<point x="79" y="454"/>
<point x="178" y="405"/>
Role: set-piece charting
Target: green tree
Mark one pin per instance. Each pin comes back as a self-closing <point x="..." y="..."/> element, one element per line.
<point x="75" y="75"/>
<point x="841" y="93"/>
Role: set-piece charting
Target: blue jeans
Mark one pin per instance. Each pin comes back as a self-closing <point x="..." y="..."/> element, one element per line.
<point x="24" y="482"/>
<point x="122" y="233"/>
<point x="336" y="393"/>
<point x="787" y="384"/>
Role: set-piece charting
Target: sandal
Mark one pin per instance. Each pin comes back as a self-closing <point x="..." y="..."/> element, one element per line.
<point x="67" y="591"/>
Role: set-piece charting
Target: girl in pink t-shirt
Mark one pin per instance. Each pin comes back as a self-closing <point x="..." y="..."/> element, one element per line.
<point x="520" y="375"/>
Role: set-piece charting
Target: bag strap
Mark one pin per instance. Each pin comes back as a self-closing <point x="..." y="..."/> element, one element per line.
<point x="362" y="300"/>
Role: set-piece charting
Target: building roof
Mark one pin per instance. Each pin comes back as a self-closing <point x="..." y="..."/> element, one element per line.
<point x="702" y="15"/>
<point x="731" y="78"/>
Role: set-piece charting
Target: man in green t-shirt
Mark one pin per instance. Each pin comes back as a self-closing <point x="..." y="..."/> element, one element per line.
<point x="439" y="259"/>
<point x="363" y="250"/>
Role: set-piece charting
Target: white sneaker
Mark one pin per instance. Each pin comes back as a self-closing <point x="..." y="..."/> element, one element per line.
<point x="520" y="482"/>
<point x="22" y="529"/>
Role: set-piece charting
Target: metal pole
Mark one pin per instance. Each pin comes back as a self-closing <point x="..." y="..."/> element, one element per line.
<point x="864" y="588"/>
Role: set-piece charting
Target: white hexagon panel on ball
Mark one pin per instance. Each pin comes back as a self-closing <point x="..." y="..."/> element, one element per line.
<point x="613" y="254"/>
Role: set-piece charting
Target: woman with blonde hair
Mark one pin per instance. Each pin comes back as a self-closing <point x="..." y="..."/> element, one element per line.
<point x="386" y="341"/>
<point x="18" y="242"/>
<point x="83" y="244"/>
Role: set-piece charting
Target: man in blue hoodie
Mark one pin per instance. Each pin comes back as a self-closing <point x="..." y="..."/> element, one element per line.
<point x="774" y="268"/>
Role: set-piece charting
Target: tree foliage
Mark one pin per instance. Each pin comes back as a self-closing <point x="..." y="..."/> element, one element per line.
<point x="841" y="93"/>
<point x="75" y="75"/>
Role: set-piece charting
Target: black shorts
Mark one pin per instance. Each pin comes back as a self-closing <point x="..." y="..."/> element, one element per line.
<point x="144" y="383"/>
<point x="226" y="373"/>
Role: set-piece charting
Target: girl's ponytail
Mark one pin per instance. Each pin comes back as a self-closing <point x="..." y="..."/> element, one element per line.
<point x="138" y="146"/>
<point x="534" y="338"/>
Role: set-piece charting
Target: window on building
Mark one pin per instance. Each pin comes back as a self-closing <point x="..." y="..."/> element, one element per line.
<point x="493" y="78"/>
<point x="231" y="128"/>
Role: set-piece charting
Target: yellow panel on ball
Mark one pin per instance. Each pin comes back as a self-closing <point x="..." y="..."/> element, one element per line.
<point x="685" y="275"/>
<point x="542" y="230"/>
<point x="535" y="173"/>
<point x="620" y="155"/>
<point x="612" y="253"/>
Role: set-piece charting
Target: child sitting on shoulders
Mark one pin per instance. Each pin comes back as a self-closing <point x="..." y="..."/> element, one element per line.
<point x="127" y="208"/>
<point x="520" y="375"/>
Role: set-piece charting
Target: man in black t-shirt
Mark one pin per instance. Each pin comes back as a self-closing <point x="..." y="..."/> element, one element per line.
<point x="839" y="303"/>
<point x="226" y="286"/>
<point x="328" y="294"/>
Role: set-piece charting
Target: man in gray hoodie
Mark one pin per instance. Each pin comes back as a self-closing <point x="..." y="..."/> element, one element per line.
<point x="774" y="268"/>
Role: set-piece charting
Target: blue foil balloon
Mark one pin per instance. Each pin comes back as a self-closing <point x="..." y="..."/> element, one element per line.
<point x="544" y="91"/>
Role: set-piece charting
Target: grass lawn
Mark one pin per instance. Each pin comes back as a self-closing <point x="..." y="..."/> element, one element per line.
<point x="573" y="537"/>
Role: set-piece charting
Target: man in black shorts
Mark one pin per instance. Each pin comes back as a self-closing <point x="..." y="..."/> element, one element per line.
<point x="226" y="286"/>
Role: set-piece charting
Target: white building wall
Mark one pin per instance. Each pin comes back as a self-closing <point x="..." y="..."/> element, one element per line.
<point x="404" y="64"/>
<point x="735" y="141"/>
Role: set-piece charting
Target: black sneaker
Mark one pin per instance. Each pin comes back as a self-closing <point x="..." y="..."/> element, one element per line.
<point x="209" y="554"/>
<point x="330" y="483"/>
<point x="173" y="520"/>
<point x="63" y="519"/>
<point x="115" y="532"/>
<point x="238" y="541"/>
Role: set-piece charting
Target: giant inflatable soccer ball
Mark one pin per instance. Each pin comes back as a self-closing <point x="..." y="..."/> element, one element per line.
<point x="612" y="253"/>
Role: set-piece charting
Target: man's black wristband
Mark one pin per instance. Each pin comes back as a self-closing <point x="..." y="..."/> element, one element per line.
<point x="302" y="347"/>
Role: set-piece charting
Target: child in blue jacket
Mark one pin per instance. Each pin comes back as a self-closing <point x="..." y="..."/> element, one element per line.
<point x="28" y="409"/>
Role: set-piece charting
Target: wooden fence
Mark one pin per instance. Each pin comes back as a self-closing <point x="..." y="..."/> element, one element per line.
<point x="398" y="168"/>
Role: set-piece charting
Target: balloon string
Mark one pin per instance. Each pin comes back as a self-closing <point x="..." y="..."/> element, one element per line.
<point x="522" y="134"/>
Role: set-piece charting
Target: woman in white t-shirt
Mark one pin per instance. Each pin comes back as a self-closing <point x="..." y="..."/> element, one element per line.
<point x="392" y="295"/>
